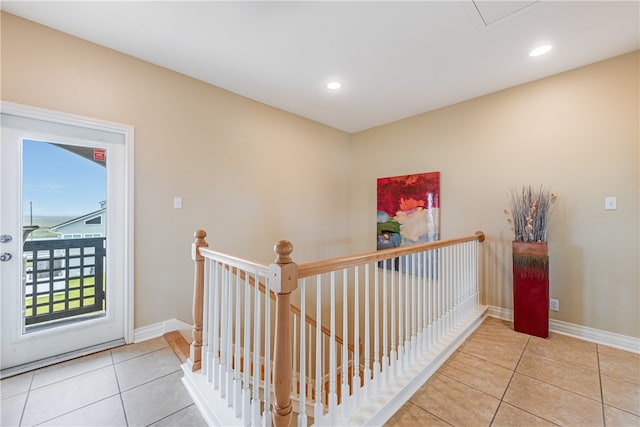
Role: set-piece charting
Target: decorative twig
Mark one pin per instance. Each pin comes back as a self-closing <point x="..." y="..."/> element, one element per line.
<point x="530" y="210"/>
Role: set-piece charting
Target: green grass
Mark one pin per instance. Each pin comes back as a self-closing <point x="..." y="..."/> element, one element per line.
<point x="59" y="298"/>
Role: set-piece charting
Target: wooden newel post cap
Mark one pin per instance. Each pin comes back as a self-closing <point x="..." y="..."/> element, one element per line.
<point x="480" y="235"/>
<point x="200" y="234"/>
<point x="283" y="248"/>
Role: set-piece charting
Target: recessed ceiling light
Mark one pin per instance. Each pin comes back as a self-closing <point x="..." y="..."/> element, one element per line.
<point x="540" y="50"/>
<point x="334" y="85"/>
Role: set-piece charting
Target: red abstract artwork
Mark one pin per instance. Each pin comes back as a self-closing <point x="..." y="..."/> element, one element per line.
<point x="408" y="209"/>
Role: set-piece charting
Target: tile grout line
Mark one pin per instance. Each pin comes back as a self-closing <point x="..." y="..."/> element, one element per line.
<point x="115" y="373"/>
<point x="604" y="420"/>
<point x="510" y="380"/>
<point x="26" y="399"/>
<point x="429" y="412"/>
<point x="170" y="415"/>
<point x="138" y="355"/>
<point x="65" y="378"/>
<point x="88" y="404"/>
<point x="74" y="410"/>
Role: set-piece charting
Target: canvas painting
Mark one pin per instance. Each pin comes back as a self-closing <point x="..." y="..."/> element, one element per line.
<point x="408" y="210"/>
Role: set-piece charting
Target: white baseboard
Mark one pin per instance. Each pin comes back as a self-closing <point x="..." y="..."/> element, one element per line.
<point x="158" y="329"/>
<point x="597" y="336"/>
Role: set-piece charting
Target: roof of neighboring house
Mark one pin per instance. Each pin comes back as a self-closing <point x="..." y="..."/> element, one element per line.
<point x="78" y="219"/>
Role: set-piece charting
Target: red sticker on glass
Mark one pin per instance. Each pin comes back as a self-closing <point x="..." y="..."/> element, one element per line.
<point x="99" y="155"/>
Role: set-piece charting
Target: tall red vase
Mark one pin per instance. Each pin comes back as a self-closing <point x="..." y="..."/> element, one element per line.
<point x="531" y="288"/>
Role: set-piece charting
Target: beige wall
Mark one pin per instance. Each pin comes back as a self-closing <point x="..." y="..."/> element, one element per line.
<point x="249" y="174"/>
<point x="577" y="132"/>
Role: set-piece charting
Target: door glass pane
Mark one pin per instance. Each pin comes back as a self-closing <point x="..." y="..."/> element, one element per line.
<point x="64" y="224"/>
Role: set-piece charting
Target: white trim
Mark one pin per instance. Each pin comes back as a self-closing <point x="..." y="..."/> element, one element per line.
<point x="64" y="118"/>
<point x="375" y="411"/>
<point x="129" y="250"/>
<point x="140" y="334"/>
<point x="389" y="400"/>
<point x="500" y="313"/>
<point x="158" y="329"/>
<point x="15" y="370"/>
<point x="598" y="336"/>
<point x="205" y="398"/>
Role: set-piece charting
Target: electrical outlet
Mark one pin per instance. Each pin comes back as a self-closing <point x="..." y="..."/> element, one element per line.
<point x="554" y="305"/>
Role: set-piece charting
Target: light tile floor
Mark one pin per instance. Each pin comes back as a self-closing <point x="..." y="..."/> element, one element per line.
<point x="133" y="385"/>
<point x="498" y="377"/>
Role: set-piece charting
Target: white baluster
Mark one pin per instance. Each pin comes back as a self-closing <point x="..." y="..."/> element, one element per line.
<point x="414" y="307"/>
<point x="445" y="291"/>
<point x="477" y="275"/>
<point x="246" y="392"/>
<point x="469" y="275"/>
<point x="318" y="407"/>
<point x="302" y="412"/>
<point x="344" y="399"/>
<point x="257" y="328"/>
<point x="223" y="332"/>
<point x="401" y="310"/>
<point x="385" y="326"/>
<point x="231" y="294"/>
<point x="310" y="355"/>
<point x="394" y="354"/>
<point x="407" y="312"/>
<point x="237" y="373"/>
<point x="367" y="334"/>
<point x="355" y="380"/>
<point x="333" y="396"/>
<point x="430" y="299"/>
<point x="376" y="331"/>
<point x="450" y="287"/>
<point x="438" y="296"/>
<point x="206" y="353"/>
<point x="294" y="359"/>
<point x="266" y="415"/>
<point x="215" y="333"/>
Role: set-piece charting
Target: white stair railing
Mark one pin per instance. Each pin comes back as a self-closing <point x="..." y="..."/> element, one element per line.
<point x="369" y="330"/>
<point x="405" y="303"/>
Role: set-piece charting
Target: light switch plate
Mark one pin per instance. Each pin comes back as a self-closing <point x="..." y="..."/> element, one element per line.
<point x="177" y="202"/>
<point x="610" y="203"/>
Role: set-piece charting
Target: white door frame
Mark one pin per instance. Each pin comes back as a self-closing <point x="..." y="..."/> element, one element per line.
<point x="127" y="132"/>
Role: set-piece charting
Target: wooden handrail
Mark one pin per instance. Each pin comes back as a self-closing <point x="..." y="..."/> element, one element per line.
<point x="283" y="276"/>
<point x="313" y="268"/>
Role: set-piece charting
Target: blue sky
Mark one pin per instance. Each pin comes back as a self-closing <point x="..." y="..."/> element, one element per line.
<point x="59" y="182"/>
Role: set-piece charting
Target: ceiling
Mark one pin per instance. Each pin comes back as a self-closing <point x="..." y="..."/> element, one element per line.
<point x="394" y="59"/>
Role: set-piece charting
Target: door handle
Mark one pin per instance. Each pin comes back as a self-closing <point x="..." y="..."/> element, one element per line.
<point x="5" y="256"/>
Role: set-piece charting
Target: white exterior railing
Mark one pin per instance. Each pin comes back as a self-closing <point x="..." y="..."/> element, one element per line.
<point x="366" y="332"/>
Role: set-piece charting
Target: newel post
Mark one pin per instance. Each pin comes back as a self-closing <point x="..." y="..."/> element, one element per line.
<point x="283" y="279"/>
<point x="195" y="351"/>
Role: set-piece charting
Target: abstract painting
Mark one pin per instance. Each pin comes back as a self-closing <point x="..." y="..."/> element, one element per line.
<point x="408" y="210"/>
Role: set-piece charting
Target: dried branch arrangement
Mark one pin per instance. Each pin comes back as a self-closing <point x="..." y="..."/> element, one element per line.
<point x="530" y="210"/>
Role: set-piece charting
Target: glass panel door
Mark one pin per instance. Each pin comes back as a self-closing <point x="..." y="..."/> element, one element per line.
<point x="63" y="222"/>
<point x="63" y="251"/>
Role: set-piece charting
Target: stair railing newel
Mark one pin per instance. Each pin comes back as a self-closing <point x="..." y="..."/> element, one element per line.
<point x="195" y="350"/>
<point x="283" y="279"/>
